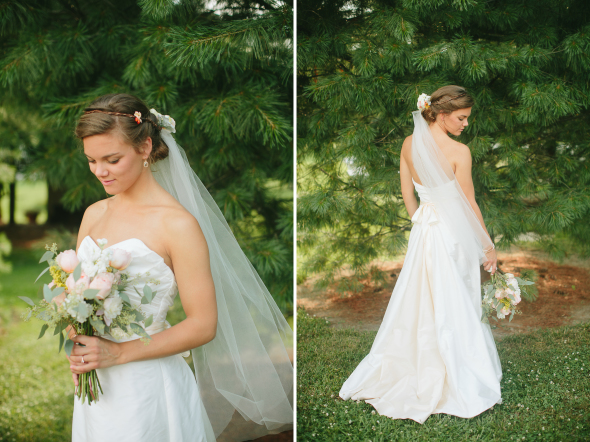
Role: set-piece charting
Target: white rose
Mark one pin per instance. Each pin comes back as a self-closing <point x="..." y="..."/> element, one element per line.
<point x="90" y="269"/>
<point x="102" y="242"/>
<point x="112" y="308"/>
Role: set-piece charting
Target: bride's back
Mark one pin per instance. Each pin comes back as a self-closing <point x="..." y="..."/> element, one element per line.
<point x="453" y="151"/>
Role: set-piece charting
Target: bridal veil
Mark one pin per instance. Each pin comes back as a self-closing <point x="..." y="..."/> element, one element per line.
<point x="246" y="368"/>
<point x="436" y="173"/>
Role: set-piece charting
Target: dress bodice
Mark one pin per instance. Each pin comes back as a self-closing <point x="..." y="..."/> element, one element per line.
<point x="425" y="194"/>
<point x="149" y="268"/>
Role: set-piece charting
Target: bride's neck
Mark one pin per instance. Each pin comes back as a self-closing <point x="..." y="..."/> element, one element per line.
<point x="141" y="192"/>
<point x="435" y="128"/>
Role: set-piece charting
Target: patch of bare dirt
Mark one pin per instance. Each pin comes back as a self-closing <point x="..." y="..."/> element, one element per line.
<point x="564" y="296"/>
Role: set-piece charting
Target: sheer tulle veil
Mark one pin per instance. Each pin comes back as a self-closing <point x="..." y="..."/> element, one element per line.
<point x="435" y="172"/>
<point x="246" y="368"/>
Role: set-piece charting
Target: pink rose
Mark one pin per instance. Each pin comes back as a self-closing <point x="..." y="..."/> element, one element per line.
<point x="77" y="286"/>
<point x="505" y="311"/>
<point x="103" y="282"/>
<point x="67" y="260"/>
<point x="120" y="259"/>
<point x="51" y="284"/>
<point x="499" y="294"/>
<point x="516" y="298"/>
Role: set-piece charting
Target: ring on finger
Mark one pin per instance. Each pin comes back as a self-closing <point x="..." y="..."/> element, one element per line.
<point x="83" y="360"/>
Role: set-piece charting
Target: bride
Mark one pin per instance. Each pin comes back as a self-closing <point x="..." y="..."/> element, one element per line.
<point x="432" y="353"/>
<point x="164" y="217"/>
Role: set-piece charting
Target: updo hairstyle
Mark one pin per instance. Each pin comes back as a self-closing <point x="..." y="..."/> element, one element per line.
<point x="135" y="134"/>
<point x="446" y="100"/>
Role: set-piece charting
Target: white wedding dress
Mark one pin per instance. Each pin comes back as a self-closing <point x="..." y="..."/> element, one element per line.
<point x="156" y="400"/>
<point x="432" y="354"/>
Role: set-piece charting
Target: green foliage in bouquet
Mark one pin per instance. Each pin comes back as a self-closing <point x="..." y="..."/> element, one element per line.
<point x="85" y="309"/>
<point x="501" y="294"/>
<point x="361" y="67"/>
<point x="222" y="70"/>
<point x="529" y="292"/>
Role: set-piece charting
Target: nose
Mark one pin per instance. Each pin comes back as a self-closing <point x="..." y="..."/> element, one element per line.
<point x="101" y="171"/>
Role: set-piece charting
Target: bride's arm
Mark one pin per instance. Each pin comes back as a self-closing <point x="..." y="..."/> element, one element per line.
<point x="465" y="180"/>
<point x="405" y="177"/>
<point x="190" y="256"/>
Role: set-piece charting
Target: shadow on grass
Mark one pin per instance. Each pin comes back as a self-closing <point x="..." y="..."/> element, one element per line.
<point x="545" y="390"/>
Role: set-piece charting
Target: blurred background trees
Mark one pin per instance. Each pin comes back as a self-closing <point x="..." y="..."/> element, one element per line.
<point x="221" y="69"/>
<point x="361" y="67"/>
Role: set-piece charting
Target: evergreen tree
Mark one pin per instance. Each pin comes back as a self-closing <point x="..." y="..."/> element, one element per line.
<point x="223" y="71"/>
<point x="361" y="67"/>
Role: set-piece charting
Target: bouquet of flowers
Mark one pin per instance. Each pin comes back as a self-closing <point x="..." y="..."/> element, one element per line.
<point x="95" y="303"/>
<point x="501" y="295"/>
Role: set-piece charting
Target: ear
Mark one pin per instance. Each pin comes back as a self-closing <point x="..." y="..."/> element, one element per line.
<point x="146" y="148"/>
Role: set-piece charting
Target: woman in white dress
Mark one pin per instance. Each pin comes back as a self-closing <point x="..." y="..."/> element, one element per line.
<point x="432" y="354"/>
<point x="177" y="237"/>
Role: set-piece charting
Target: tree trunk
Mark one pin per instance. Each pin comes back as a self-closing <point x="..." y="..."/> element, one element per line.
<point x="57" y="214"/>
<point x="12" y="204"/>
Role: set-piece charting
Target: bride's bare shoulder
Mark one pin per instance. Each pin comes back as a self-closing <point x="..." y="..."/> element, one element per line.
<point x="407" y="145"/>
<point x="92" y="213"/>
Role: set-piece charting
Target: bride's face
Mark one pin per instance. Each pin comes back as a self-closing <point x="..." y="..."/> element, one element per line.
<point x="456" y="121"/>
<point x="115" y="163"/>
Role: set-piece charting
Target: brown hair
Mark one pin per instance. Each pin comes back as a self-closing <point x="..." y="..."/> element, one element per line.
<point x="98" y="123"/>
<point x="446" y="100"/>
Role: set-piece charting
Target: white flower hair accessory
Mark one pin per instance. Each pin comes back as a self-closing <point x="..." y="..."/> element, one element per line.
<point x="423" y="101"/>
<point x="165" y="121"/>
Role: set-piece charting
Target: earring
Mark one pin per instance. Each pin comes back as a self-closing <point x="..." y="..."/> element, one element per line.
<point x="145" y="163"/>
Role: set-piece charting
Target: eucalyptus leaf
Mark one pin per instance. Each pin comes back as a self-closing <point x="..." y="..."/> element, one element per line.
<point x="44" y="316"/>
<point x="139" y="330"/>
<point x="46" y="256"/>
<point x="90" y="293"/>
<point x="124" y="297"/>
<point x="97" y="324"/>
<point x="27" y="300"/>
<point x="42" y="273"/>
<point x="78" y="271"/>
<point x="29" y="315"/>
<point x="69" y="345"/>
<point x="149" y="321"/>
<point x="511" y="316"/>
<point x="47" y="293"/>
<point x="61" y="341"/>
<point x="138" y="315"/>
<point x="145" y="300"/>
<point x="147" y="292"/>
<point x="43" y="329"/>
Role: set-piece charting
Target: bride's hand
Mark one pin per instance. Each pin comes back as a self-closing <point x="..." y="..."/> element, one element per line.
<point x="97" y="353"/>
<point x="492" y="262"/>
<point x="71" y="333"/>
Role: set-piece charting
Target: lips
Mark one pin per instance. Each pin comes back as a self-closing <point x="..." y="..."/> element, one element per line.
<point x="106" y="183"/>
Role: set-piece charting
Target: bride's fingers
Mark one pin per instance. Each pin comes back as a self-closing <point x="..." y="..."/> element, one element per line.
<point x="75" y="378"/>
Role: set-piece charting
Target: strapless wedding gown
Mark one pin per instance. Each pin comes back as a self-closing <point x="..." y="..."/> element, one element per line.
<point x="146" y="401"/>
<point x="432" y="354"/>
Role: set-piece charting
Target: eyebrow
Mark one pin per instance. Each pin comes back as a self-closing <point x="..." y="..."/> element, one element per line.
<point x="106" y="156"/>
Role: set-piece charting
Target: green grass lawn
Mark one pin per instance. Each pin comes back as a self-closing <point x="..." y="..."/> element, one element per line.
<point x="545" y="390"/>
<point x="36" y="388"/>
